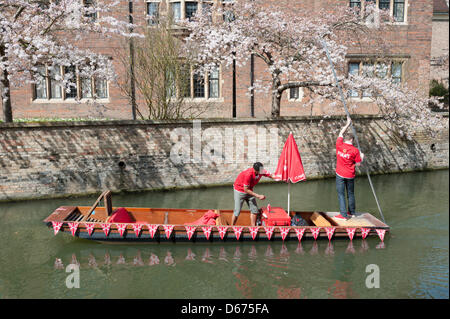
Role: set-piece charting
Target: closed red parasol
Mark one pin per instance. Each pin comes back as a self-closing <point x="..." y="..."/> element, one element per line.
<point x="290" y="167"/>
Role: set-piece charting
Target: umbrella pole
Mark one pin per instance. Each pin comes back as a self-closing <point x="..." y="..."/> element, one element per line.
<point x="289" y="196"/>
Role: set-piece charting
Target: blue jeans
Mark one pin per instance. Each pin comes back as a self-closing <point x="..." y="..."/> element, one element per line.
<point x="343" y="184"/>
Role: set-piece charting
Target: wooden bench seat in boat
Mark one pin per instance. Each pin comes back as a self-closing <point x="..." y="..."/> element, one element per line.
<point x="319" y="220"/>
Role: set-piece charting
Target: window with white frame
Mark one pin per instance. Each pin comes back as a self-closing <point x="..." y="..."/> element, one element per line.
<point x="295" y="94"/>
<point x="369" y="69"/>
<point x="202" y="86"/>
<point x="396" y="8"/>
<point x="90" y="4"/>
<point x="152" y="12"/>
<point x="184" y="9"/>
<point x="48" y="86"/>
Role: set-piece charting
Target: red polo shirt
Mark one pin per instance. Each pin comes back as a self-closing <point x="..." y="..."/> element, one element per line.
<point x="247" y="178"/>
<point x="346" y="157"/>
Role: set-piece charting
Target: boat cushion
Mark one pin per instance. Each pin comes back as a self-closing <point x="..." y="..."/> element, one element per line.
<point x="121" y="215"/>
<point x="209" y="218"/>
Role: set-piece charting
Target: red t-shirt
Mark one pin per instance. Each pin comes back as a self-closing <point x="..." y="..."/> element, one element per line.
<point x="247" y="178"/>
<point x="346" y="157"/>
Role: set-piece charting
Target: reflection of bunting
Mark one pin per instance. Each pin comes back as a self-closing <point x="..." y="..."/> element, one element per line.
<point x="190" y="231"/>
<point x="137" y="229"/>
<point x="381" y="233"/>
<point x="121" y="228"/>
<point x="56" y="227"/>
<point x="315" y="232"/>
<point x="299" y="232"/>
<point x="207" y="231"/>
<point x="222" y="231"/>
<point x="284" y="231"/>
<point x="152" y="229"/>
<point x="253" y="231"/>
<point x="365" y="232"/>
<point x="237" y="231"/>
<point x="269" y="231"/>
<point x="168" y="229"/>
<point x="330" y="232"/>
<point x="89" y="227"/>
<point x="350" y="232"/>
<point x="73" y="228"/>
<point x="106" y="228"/>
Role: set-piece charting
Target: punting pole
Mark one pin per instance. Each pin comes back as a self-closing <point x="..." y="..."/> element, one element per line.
<point x="351" y="124"/>
<point x="289" y="195"/>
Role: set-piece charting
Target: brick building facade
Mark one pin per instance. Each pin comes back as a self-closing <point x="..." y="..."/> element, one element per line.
<point x="411" y="42"/>
<point x="439" y="44"/>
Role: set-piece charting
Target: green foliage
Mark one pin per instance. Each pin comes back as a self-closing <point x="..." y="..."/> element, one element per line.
<point x="438" y="89"/>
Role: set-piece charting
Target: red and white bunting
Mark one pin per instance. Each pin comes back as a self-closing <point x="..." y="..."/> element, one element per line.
<point x="237" y="231"/>
<point x="121" y="228"/>
<point x="365" y="232"/>
<point x="73" y="228"/>
<point x="168" y="229"/>
<point x="253" y="231"/>
<point x="284" y="231"/>
<point x="152" y="229"/>
<point x="137" y="229"/>
<point x="269" y="231"/>
<point x="330" y="232"/>
<point x="207" y="231"/>
<point x="350" y="232"/>
<point x="315" y="231"/>
<point x="381" y="233"/>
<point x="106" y="228"/>
<point x="56" y="226"/>
<point x="299" y="232"/>
<point x="190" y="230"/>
<point x="89" y="227"/>
<point x="222" y="230"/>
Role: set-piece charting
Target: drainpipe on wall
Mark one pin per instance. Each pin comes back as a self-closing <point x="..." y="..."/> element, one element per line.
<point x="132" y="80"/>
<point x="234" y="87"/>
<point x="252" y="91"/>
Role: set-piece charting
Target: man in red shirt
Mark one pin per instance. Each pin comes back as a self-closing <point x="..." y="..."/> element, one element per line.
<point x="347" y="156"/>
<point x="243" y="191"/>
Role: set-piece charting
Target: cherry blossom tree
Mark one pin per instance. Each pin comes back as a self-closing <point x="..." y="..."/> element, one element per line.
<point x="49" y="32"/>
<point x="290" y="43"/>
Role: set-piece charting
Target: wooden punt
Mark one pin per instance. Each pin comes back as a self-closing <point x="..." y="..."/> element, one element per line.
<point x="178" y="217"/>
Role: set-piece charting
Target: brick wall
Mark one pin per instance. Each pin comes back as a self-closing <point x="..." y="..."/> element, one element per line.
<point x="57" y="159"/>
<point x="412" y="39"/>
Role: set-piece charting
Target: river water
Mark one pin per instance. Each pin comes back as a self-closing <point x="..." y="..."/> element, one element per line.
<point x="412" y="262"/>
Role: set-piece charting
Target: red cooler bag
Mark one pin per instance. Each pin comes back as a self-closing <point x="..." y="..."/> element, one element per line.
<point x="276" y="217"/>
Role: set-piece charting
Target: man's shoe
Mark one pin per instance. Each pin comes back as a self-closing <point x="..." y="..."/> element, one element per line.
<point x="341" y="217"/>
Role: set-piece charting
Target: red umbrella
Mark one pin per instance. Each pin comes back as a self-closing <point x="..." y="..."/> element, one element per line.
<point x="290" y="167"/>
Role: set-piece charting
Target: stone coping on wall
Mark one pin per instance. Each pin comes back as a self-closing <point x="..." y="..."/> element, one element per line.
<point x="51" y="124"/>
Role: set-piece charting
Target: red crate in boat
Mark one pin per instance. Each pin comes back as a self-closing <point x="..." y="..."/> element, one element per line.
<point x="276" y="217"/>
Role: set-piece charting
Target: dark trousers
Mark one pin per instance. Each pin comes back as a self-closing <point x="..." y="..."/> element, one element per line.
<point x="346" y="186"/>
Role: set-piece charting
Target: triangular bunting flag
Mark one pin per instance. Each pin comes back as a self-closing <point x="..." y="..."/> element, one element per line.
<point x="299" y="232"/>
<point x="253" y="231"/>
<point x="168" y="229"/>
<point x="89" y="227"/>
<point x="350" y="232"/>
<point x="56" y="227"/>
<point x="121" y="228"/>
<point x="137" y="229"/>
<point x="106" y="228"/>
<point x="237" y="231"/>
<point x="381" y="233"/>
<point x="152" y="229"/>
<point x="315" y="231"/>
<point x="330" y="232"/>
<point x="284" y="231"/>
<point x="73" y="228"/>
<point x="365" y="232"/>
<point x="269" y="231"/>
<point x="207" y="231"/>
<point x="190" y="231"/>
<point x="222" y="231"/>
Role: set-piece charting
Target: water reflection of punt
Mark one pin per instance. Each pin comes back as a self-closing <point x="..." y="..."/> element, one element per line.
<point x="270" y="252"/>
<point x="178" y="217"/>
